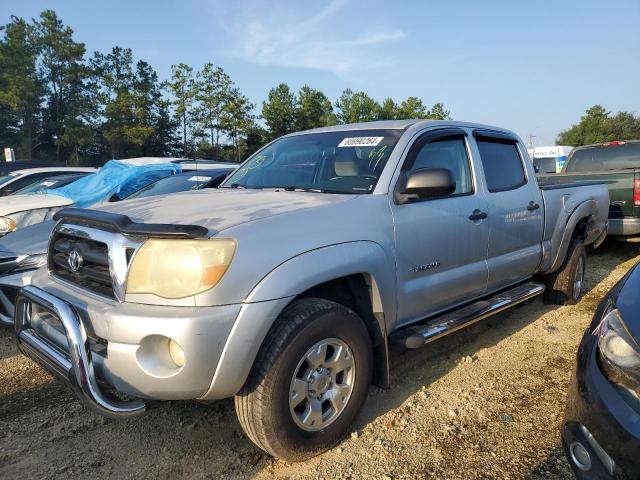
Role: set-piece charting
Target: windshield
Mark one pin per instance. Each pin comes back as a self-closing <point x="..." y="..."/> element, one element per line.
<point x="545" y="164"/>
<point x="48" y="184"/>
<point x="181" y="183"/>
<point x="348" y="161"/>
<point x="604" y="157"/>
<point x="4" y="179"/>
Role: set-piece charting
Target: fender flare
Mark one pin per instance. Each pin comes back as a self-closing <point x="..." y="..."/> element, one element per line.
<point x="275" y="291"/>
<point x="582" y="211"/>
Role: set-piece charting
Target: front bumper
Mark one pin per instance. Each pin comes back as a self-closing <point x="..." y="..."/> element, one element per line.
<point x="126" y="345"/>
<point x="624" y="226"/>
<point x="599" y="420"/>
<point x="75" y="366"/>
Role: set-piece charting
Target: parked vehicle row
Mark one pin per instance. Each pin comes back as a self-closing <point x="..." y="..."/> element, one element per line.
<point x="618" y="165"/>
<point x="25" y="250"/>
<point x="285" y="286"/>
<point x="15" y="180"/>
<point x="115" y="181"/>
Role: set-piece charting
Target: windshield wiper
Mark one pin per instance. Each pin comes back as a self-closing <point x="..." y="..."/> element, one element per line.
<point x="233" y="185"/>
<point x="292" y="188"/>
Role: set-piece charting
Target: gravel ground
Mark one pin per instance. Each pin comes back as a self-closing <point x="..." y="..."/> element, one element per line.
<point x="486" y="402"/>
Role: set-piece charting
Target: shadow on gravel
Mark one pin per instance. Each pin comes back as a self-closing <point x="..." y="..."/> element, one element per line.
<point x="554" y="466"/>
<point x="46" y="433"/>
<point x="8" y="346"/>
<point x="446" y="353"/>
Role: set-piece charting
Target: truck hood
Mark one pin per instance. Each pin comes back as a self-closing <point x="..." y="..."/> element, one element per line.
<point x="20" y="203"/>
<point x="218" y="210"/>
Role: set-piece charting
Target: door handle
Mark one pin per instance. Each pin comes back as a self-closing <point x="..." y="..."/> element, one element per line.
<point x="478" y="215"/>
<point x="533" y="206"/>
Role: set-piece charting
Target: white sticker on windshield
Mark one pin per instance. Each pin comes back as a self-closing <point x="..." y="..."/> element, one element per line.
<point x="360" y="142"/>
<point x="197" y="178"/>
<point x="47" y="184"/>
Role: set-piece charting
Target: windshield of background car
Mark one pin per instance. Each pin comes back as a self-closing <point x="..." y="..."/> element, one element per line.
<point x="604" y="157"/>
<point x="4" y="179"/>
<point x="180" y="183"/>
<point x="333" y="162"/>
<point x="48" y="184"/>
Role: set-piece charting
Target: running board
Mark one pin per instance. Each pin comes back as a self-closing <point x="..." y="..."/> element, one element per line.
<point x="418" y="335"/>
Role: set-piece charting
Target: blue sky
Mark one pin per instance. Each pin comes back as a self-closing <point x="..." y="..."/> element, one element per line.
<point x="533" y="67"/>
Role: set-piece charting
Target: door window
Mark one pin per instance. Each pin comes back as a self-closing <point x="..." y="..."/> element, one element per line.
<point x="449" y="153"/>
<point x="502" y="165"/>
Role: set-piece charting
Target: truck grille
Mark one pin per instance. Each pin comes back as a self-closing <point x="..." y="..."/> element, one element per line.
<point x="81" y="261"/>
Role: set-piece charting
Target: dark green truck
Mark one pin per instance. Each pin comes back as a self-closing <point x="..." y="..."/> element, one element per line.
<point x="618" y="165"/>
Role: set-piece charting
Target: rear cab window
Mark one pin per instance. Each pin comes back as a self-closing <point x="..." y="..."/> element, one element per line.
<point x="609" y="156"/>
<point x="501" y="162"/>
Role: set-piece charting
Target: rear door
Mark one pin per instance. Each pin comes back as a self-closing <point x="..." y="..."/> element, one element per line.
<point x="515" y="213"/>
<point x="440" y="251"/>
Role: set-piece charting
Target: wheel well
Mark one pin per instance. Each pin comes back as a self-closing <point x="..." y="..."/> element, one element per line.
<point x="356" y="293"/>
<point x="580" y="230"/>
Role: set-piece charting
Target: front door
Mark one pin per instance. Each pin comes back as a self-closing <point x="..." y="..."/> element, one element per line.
<point x="440" y="251"/>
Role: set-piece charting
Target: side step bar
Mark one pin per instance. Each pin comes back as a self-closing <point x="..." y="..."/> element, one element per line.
<point x="418" y="335"/>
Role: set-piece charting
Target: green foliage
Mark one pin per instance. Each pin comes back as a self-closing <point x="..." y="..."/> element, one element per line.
<point x="213" y="92"/>
<point x="64" y="72"/>
<point x="355" y="107"/>
<point x="57" y="104"/>
<point x="236" y="118"/>
<point x="438" y="112"/>
<point x="279" y="111"/>
<point x="388" y="110"/>
<point x="313" y="109"/>
<point x="183" y="89"/>
<point x="21" y="87"/>
<point x="597" y="125"/>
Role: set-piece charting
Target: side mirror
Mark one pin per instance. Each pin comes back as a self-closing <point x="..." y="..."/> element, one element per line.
<point x="428" y="183"/>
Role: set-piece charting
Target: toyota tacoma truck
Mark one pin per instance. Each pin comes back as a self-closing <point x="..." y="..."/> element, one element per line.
<point x="617" y="164"/>
<point x="286" y="287"/>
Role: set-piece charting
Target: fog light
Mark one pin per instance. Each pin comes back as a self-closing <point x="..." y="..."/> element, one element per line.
<point x="176" y="352"/>
<point x="580" y="456"/>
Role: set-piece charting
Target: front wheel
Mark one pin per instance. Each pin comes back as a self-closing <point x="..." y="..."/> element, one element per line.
<point x="308" y="382"/>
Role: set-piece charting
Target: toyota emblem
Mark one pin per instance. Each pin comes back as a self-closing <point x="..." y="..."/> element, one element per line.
<point x="75" y="260"/>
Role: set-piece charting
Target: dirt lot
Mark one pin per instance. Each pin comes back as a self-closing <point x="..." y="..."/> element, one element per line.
<point x="482" y="403"/>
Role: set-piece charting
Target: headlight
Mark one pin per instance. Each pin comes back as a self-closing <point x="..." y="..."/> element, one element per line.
<point x="179" y="268"/>
<point x="7" y="224"/>
<point x="619" y="352"/>
<point x="31" y="262"/>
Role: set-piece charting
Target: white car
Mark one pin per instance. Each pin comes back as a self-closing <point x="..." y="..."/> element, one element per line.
<point x="18" y="179"/>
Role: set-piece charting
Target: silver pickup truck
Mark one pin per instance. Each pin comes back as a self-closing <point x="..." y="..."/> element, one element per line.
<point x="286" y="287"/>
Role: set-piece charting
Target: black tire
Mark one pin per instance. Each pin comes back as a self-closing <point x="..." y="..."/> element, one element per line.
<point x="560" y="284"/>
<point x="263" y="406"/>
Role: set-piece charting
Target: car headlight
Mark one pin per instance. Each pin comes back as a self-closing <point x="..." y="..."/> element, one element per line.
<point x="7" y="225"/>
<point x="179" y="268"/>
<point x="619" y="351"/>
<point x="31" y="262"/>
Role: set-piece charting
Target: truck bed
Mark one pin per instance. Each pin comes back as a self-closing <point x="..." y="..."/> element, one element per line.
<point x="619" y="183"/>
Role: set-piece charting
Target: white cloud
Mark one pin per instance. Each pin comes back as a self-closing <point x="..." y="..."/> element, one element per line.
<point x="272" y="36"/>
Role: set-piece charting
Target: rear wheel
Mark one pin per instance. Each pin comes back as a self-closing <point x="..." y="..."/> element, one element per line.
<point x="309" y="380"/>
<point x="564" y="286"/>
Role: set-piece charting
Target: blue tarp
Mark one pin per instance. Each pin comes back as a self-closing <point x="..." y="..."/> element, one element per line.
<point x="114" y="178"/>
